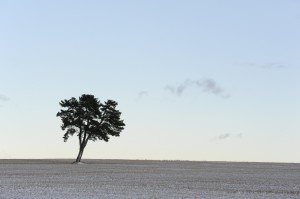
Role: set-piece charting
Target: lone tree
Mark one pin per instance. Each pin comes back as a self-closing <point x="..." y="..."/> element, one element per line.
<point x="90" y="120"/>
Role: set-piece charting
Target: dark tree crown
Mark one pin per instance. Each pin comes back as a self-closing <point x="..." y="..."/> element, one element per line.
<point x="90" y="119"/>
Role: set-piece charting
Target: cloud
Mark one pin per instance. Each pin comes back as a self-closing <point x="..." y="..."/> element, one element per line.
<point x="272" y="65"/>
<point x="182" y="87"/>
<point x="239" y="135"/>
<point x="206" y="85"/>
<point x="142" y="94"/>
<point x="223" y="136"/>
<point x="269" y="65"/>
<point x="3" y="98"/>
<point x="228" y="135"/>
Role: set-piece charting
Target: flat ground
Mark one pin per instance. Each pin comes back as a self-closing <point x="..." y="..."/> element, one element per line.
<point x="39" y="179"/>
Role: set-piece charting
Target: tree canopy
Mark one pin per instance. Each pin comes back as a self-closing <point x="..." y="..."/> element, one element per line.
<point x="90" y="120"/>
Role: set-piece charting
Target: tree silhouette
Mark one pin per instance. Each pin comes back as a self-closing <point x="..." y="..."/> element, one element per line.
<point x="90" y="120"/>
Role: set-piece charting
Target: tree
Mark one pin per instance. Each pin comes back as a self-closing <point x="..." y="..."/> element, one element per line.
<point x="90" y="120"/>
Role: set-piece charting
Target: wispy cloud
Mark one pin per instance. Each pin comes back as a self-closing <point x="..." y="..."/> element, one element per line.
<point x="206" y="85"/>
<point x="142" y="94"/>
<point x="3" y="98"/>
<point x="272" y="65"/>
<point x="227" y="136"/>
<point x="239" y="135"/>
<point x="268" y="65"/>
<point x="223" y="136"/>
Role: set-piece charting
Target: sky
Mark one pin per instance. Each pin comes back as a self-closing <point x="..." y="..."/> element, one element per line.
<point x="205" y="80"/>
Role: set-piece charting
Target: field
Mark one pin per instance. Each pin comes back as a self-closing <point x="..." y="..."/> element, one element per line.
<point x="39" y="179"/>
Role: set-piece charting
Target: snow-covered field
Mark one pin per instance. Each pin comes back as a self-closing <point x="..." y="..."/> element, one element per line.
<point x="38" y="179"/>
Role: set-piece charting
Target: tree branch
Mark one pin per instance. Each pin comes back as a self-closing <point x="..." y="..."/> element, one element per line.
<point x="103" y="117"/>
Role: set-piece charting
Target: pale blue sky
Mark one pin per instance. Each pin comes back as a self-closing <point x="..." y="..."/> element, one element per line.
<point x="195" y="80"/>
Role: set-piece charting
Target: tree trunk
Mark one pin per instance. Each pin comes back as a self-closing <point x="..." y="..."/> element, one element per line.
<point x="81" y="148"/>
<point x="79" y="155"/>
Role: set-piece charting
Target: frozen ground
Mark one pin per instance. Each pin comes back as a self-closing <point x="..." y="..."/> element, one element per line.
<point x="39" y="179"/>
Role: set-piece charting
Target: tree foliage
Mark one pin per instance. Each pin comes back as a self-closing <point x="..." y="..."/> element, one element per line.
<point x="90" y="120"/>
